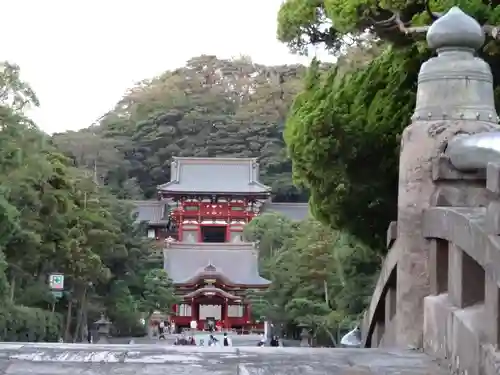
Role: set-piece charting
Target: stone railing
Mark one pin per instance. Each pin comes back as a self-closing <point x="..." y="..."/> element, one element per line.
<point x="461" y="316"/>
<point x="462" y="312"/>
<point x="378" y="323"/>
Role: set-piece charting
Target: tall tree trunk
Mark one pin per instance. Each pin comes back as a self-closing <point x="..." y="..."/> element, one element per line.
<point x="67" y="336"/>
<point x="332" y="337"/>
<point x="78" y="334"/>
<point x="12" y="288"/>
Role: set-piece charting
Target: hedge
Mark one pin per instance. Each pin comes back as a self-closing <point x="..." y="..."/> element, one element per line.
<point x="27" y="324"/>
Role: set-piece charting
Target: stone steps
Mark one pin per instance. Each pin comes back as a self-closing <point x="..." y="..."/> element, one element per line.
<point x="76" y="359"/>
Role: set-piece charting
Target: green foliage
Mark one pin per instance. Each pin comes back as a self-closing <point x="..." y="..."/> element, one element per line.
<point x="209" y="107"/>
<point x="123" y="310"/>
<point x="55" y="218"/>
<point x="158" y="292"/>
<point x="331" y="23"/>
<point x="320" y="278"/>
<point x="343" y="130"/>
<point x="343" y="137"/>
<point x="269" y="241"/>
<point x="19" y="323"/>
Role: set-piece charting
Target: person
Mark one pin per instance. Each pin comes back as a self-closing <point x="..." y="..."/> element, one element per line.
<point x="262" y="341"/>
<point x="275" y="341"/>
<point x="202" y="342"/>
<point x="161" y="330"/>
<point x="183" y="340"/>
<point x="191" y="341"/>
<point x="89" y="336"/>
<point x="212" y="341"/>
<point x="227" y="340"/>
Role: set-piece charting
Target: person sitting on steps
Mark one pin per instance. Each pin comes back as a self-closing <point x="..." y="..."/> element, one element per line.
<point x="212" y="341"/>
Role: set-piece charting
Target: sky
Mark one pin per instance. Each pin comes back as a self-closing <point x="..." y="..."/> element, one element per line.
<point x="80" y="56"/>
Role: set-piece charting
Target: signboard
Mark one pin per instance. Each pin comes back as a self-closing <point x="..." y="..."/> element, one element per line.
<point x="56" y="281"/>
<point x="57" y="294"/>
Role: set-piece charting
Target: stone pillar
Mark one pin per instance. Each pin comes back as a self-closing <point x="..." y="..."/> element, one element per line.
<point x="454" y="96"/>
<point x="225" y="307"/>
<point x="248" y="312"/>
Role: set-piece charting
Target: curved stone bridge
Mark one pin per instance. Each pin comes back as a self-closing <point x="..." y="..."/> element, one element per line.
<point x="438" y="289"/>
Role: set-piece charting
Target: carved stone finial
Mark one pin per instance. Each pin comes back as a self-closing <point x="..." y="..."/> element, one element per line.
<point x="455" y="84"/>
<point x="455" y="29"/>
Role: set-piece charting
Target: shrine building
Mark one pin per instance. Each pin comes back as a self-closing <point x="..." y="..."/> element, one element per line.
<point x="199" y="220"/>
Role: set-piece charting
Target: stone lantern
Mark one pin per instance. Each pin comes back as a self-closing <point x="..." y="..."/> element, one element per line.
<point x="102" y="327"/>
<point x="305" y="336"/>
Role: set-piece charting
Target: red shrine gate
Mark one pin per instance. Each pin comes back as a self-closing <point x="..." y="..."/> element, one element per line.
<point x="210" y="265"/>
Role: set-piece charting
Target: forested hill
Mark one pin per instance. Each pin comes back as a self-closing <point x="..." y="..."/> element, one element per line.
<point x="210" y="107"/>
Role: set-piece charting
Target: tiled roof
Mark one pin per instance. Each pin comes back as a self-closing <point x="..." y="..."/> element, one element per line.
<point x="293" y="211"/>
<point x="154" y="212"/>
<point x="236" y="262"/>
<point x="214" y="175"/>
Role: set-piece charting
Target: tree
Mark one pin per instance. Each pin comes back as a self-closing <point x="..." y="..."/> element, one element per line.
<point x="158" y="292"/>
<point x="209" y="107"/>
<point x="333" y="24"/>
<point x="55" y="217"/>
<point x="343" y="136"/>
<point x="270" y="231"/>
<point x="15" y="94"/>
<point x="343" y="130"/>
<point x="320" y="278"/>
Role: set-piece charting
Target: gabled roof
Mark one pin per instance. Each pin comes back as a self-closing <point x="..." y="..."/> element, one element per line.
<point x="214" y="175"/>
<point x="154" y="212"/>
<point x="293" y="211"/>
<point x="237" y="263"/>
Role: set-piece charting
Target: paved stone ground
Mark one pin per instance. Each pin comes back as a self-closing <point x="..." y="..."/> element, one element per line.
<point x="82" y="359"/>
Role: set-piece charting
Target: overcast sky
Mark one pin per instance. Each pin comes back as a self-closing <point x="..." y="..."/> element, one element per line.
<point x="81" y="56"/>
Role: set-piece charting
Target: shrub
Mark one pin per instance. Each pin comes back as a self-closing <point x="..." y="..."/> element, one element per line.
<point x="21" y="323"/>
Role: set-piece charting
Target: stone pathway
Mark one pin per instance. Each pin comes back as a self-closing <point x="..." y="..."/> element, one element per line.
<point x="79" y="359"/>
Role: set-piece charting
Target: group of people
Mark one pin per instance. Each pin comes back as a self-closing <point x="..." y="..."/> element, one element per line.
<point x="163" y="329"/>
<point x="212" y="341"/>
<point x="275" y="341"/>
<point x="185" y="340"/>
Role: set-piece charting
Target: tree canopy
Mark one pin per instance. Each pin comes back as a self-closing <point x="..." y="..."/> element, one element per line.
<point x="210" y="107"/>
<point x="335" y="23"/>
<point x="343" y="129"/>
<point x="55" y="218"/>
<point x="320" y="278"/>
